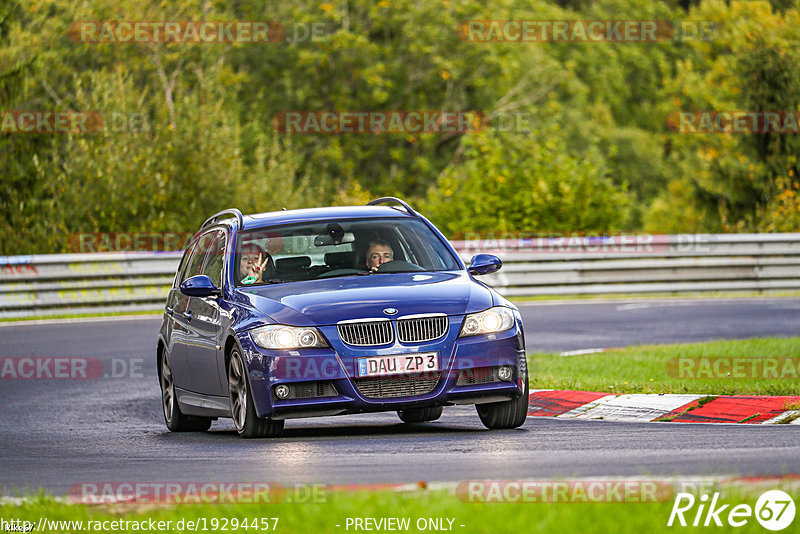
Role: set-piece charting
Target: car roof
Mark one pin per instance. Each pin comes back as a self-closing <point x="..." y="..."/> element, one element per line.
<point x="260" y="220"/>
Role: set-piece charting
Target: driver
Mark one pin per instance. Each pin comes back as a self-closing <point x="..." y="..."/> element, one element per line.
<point x="378" y="253"/>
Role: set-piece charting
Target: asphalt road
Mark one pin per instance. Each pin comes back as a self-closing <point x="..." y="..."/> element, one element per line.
<point x="56" y="433"/>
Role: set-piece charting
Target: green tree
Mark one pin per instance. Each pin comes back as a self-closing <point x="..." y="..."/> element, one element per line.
<point x="735" y="180"/>
<point x="511" y="182"/>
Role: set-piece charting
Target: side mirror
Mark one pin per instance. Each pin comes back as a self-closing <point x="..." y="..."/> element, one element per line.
<point x="199" y="286"/>
<point x="483" y="264"/>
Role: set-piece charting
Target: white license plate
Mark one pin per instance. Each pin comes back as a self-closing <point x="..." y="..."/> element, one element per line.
<point x="398" y="364"/>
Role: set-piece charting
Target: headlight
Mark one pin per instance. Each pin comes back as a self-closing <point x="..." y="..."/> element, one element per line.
<point x="278" y="336"/>
<point x="493" y="320"/>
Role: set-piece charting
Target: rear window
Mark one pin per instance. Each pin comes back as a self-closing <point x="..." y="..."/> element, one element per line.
<point x="339" y="248"/>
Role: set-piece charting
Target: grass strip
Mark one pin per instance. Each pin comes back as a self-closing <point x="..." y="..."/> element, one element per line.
<point x="441" y="506"/>
<point x="647" y="369"/>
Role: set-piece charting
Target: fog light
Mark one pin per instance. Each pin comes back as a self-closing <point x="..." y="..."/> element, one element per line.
<point x="281" y="391"/>
<point x="504" y="373"/>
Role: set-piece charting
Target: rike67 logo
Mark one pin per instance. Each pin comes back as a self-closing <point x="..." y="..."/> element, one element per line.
<point x="774" y="510"/>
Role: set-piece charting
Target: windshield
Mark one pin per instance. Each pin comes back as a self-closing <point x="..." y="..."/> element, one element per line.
<point x="309" y="251"/>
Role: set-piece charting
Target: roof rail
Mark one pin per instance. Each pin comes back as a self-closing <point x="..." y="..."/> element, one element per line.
<point x="232" y="211"/>
<point x="387" y="200"/>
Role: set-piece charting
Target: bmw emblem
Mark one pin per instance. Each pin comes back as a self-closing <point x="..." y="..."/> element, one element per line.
<point x="390" y="311"/>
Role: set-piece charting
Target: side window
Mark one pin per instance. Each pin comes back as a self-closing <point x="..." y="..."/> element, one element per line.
<point x="216" y="257"/>
<point x="184" y="264"/>
<point x="201" y="249"/>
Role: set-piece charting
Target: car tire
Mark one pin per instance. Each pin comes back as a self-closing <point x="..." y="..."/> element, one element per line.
<point x="506" y="414"/>
<point x="243" y="410"/>
<point x="420" y="415"/>
<point x="176" y="421"/>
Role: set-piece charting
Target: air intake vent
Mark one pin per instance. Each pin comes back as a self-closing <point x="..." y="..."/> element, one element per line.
<point x="421" y="328"/>
<point x="366" y="333"/>
<point x="308" y="390"/>
<point x="477" y="375"/>
<point x="394" y="386"/>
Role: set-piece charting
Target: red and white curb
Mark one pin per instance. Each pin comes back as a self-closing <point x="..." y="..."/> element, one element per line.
<point x="566" y="404"/>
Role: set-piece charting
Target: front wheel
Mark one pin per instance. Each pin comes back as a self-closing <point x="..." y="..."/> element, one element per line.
<point x="420" y="415"/>
<point x="176" y="421"/>
<point x="506" y="414"/>
<point x="243" y="411"/>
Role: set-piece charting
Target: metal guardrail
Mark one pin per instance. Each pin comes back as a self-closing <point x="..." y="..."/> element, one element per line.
<point x="41" y="285"/>
<point x="642" y="264"/>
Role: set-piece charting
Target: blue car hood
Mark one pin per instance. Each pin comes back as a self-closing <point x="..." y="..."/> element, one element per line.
<point x="328" y="301"/>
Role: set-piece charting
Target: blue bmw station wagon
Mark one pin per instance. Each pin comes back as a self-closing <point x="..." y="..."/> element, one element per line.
<point x="331" y="311"/>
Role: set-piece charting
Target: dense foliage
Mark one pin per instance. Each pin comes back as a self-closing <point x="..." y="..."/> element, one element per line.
<point x="597" y="154"/>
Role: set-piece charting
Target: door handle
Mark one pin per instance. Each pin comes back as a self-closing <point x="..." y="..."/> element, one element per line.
<point x="188" y="315"/>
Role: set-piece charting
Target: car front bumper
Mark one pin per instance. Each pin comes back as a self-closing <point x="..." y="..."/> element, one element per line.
<point x="466" y="375"/>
